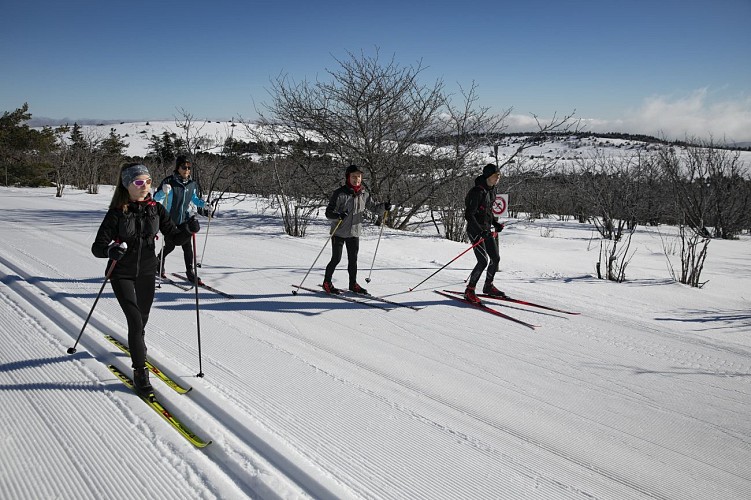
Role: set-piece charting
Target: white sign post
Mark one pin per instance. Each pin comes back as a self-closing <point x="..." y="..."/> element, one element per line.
<point x="500" y="206"/>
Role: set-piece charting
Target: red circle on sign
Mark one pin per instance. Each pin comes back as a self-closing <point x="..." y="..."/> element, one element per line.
<point x="499" y="206"/>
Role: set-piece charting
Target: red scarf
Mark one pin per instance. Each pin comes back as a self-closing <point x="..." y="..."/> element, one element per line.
<point x="356" y="189"/>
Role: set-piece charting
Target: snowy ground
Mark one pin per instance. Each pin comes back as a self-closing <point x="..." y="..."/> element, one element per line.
<point x="647" y="394"/>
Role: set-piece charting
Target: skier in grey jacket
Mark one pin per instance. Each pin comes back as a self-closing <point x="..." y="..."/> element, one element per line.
<point x="345" y="210"/>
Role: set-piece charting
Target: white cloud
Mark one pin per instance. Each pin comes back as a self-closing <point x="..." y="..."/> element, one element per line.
<point x="692" y="116"/>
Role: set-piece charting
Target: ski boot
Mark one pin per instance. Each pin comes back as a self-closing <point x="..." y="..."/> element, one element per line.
<point x="141" y="381"/>
<point x="490" y="289"/>
<point x="329" y="287"/>
<point x="192" y="278"/>
<point x="469" y="295"/>
<point x="357" y="289"/>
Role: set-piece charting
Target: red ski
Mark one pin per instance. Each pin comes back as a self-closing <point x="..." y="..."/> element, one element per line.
<point x="517" y="301"/>
<point x="483" y="307"/>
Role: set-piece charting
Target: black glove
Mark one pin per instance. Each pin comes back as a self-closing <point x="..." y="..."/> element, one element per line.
<point x="498" y="226"/>
<point x="342" y="215"/>
<point x="193" y="225"/>
<point x="387" y="206"/>
<point x="486" y="235"/>
<point x="117" y="250"/>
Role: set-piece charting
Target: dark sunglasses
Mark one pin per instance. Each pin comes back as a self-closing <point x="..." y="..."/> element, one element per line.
<point x="141" y="182"/>
<point x="186" y="167"/>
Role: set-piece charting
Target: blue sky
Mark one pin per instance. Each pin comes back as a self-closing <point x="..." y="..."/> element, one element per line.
<point x="658" y="67"/>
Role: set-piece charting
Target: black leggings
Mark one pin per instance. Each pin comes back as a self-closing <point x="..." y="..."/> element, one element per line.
<point x="135" y="297"/>
<point x="487" y="251"/>
<point x="337" y="244"/>
<point x="187" y="254"/>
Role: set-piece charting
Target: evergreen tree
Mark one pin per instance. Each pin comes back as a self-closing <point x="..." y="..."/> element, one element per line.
<point x="24" y="152"/>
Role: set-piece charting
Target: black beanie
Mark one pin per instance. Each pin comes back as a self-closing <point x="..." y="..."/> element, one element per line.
<point x="181" y="160"/>
<point x="490" y="169"/>
<point x="351" y="169"/>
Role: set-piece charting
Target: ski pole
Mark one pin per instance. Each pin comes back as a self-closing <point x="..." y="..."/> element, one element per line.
<point x="206" y="239"/>
<point x="383" y="223"/>
<point x="446" y="265"/>
<point x="294" y="292"/>
<point x="72" y="350"/>
<point x="161" y="264"/>
<point x="198" y="316"/>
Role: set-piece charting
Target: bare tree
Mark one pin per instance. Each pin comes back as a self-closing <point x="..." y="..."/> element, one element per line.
<point x="60" y="160"/>
<point x="607" y="187"/>
<point x="691" y="196"/>
<point x="368" y="113"/>
<point x="194" y="141"/>
<point x="710" y="184"/>
<point x="86" y="159"/>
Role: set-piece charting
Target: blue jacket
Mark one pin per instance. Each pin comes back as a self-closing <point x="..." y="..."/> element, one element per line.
<point x="182" y="195"/>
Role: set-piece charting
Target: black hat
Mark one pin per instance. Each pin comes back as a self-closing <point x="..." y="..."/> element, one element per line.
<point x="181" y="160"/>
<point x="351" y="169"/>
<point x="490" y="169"/>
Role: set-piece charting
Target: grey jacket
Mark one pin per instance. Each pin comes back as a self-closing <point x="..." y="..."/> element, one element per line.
<point x="345" y="200"/>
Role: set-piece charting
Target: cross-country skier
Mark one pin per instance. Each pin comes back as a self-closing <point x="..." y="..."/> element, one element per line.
<point x="479" y="216"/>
<point x="347" y="204"/>
<point x="127" y="235"/>
<point x="176" y="192"/>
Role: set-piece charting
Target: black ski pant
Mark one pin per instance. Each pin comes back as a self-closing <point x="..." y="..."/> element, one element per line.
<point x="135" y="296"/>
<point x="486" y="252"/>
<point x="187" y="254"/>
<point x="337" y="245"/>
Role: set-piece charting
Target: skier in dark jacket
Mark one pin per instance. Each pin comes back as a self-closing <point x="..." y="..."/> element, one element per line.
<point x="345" y="210"/>
<point x="127" y="236"/>
<point x="176" y="193"/>
<point x="479" y="216"/>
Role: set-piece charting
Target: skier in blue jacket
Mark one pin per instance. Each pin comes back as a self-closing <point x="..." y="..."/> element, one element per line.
<point x="176" y="193"/>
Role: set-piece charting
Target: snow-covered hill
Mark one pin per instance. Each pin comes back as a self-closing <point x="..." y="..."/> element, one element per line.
<point x="137" y="135"/>
<point x="646" y="394"/>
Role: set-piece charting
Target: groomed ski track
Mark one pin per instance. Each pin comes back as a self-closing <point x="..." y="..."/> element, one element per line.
<point x="305" y="396"/>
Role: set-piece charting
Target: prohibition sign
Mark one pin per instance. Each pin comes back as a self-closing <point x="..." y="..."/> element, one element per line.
<point x="500" y="205"/>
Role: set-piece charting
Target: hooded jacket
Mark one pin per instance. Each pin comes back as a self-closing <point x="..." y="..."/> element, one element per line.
<point x="137" y="226"/>
<point x="345" y="199"/>
<point x="178" y="202"/>
<point x="479" y="207"/>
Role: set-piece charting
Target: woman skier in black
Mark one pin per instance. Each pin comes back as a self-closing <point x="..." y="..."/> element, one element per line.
<point x="127" y="236"/>
<point x="479" y="216"/>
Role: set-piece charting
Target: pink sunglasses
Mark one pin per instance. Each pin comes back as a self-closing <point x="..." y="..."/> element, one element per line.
<point x="141" y="182"/>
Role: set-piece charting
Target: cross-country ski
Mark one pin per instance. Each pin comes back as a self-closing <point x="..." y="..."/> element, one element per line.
<point x="484" y="307"/>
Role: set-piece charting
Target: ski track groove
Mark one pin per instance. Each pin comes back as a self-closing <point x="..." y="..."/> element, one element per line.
<point x="445" y="401"/>
<point x="304" y="427"/>
<point x="137" y="413"/>
<point x="661" y="408"/>
<point x="59" y="392"/>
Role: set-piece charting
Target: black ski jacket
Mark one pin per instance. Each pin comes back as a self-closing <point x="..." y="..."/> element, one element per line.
<point x="137" y="226"/>
<point x="479" y="208"/>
